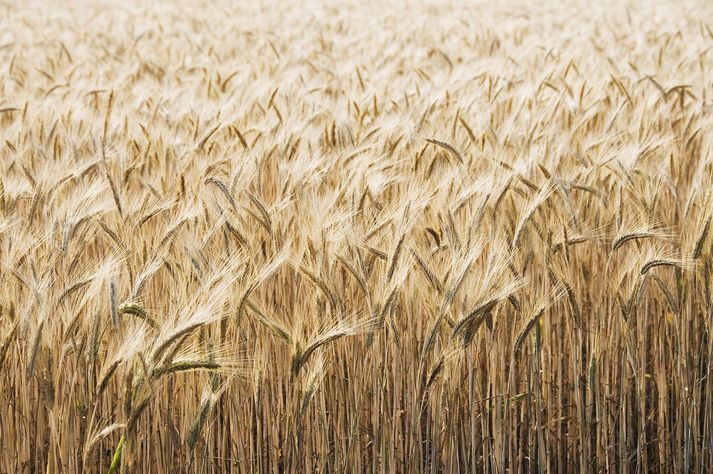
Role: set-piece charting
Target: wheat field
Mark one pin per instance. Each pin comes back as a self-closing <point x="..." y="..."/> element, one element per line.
<point x="356" y="237"/>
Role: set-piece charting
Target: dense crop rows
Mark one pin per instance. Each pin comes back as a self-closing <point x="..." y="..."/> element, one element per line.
<point x="413" y="237"/>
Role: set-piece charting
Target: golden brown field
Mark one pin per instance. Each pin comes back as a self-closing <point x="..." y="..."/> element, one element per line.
<point x="356" y="237"/>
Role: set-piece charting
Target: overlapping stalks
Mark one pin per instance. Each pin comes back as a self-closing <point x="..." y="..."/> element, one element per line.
<point x="355" y="237"/>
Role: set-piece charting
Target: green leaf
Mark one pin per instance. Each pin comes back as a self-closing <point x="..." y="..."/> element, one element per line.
<point x="117" y="456"/>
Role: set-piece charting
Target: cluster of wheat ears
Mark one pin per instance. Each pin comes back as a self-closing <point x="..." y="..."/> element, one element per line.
<point x="355" y="237"/>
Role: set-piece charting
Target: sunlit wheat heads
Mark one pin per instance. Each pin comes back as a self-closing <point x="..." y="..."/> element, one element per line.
<point x="356" y="236"/>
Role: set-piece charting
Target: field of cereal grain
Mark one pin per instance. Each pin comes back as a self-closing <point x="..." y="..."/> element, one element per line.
<point x="356" y="236"/>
